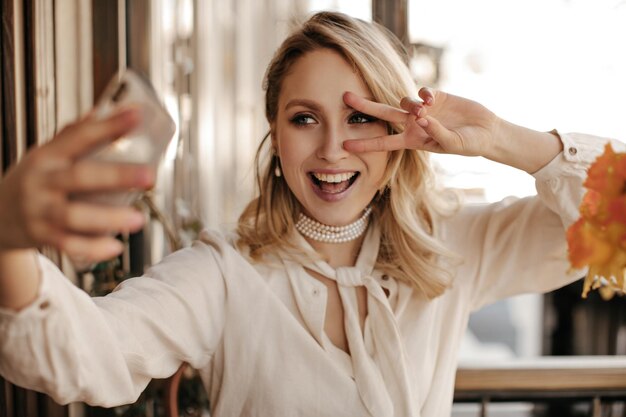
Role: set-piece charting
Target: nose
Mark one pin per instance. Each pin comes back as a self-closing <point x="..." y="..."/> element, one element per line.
<point x="331" y="146"/>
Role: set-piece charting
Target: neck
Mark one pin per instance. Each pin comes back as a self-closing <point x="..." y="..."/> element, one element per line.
<point x="338" y="254"/>
<point x="339" y="245"/>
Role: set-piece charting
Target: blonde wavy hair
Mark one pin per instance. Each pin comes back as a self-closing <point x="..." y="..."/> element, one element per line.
<point x="407" y="203"/>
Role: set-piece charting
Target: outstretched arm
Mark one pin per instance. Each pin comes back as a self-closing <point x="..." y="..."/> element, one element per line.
<point x="54" y="338"/>
<point x="445" y="123"/>
<point x="36" y="206"/>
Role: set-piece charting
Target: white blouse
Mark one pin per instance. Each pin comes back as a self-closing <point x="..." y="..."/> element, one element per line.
<point x="256" y="331"/>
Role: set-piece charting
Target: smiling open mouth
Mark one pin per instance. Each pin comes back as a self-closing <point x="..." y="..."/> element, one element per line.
<point x="334" y="183"/>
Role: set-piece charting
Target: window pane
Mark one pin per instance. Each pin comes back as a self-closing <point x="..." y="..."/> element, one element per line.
<point x="539" y="63"/>
<point x="361" y="9"/>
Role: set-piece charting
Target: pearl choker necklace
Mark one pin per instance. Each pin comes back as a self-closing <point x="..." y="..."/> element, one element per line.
<point x="332" y="234"/>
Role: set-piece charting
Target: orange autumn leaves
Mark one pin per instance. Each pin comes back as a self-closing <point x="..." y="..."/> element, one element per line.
<point x="598" y="238"/>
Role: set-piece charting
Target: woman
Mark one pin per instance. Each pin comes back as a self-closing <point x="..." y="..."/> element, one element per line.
<point x="349" y="284"/>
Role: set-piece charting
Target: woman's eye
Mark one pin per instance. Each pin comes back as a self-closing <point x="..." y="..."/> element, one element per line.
<point x="302" y="119"/>
<point x="358" y="118"/>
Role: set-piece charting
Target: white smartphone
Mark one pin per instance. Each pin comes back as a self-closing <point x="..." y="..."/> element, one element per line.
<point x="146" y="144"/>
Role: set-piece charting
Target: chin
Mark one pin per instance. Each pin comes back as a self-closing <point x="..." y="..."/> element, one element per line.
<point x="336" y="216"/>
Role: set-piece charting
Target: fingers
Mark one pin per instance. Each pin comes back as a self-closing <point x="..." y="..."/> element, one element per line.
<point x="428" y="95"/>
<point x="85" y="231"/>
<point x="438" y="133"/>
<point x="35" y="194"/>
<point x="418" y="107"/>
<point x="90" y="176"/>
<point x="90" y="249"/>
<point x="82" y="230"/>
<point x="379" y="144"/>
<point x="90" y="219"/>
<point x="379" y="110"/>
<point x="86" y="135"/>
<point x="412" y="106"/>
<point x="51" y="211"/>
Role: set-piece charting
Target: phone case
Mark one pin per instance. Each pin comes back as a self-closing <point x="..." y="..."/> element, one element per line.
<point x="146" y="144"/>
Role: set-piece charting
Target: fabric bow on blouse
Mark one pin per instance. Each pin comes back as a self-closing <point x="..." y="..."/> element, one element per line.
<point x="377" y="355"/>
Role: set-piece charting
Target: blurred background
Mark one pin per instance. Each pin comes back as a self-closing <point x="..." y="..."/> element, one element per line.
<point x="540" y="63"/>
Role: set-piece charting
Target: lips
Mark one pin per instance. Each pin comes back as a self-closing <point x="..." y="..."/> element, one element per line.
<point x="333" y="183"/>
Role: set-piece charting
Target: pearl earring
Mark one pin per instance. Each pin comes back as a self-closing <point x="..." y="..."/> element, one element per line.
<point x="277" y="172"/>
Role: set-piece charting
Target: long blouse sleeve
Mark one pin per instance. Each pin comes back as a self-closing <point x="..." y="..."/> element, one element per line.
<point x="105" y="350"/>
<point x="518" y="245"/>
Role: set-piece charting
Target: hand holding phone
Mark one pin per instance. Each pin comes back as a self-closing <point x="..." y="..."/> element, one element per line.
<point x="145" y="145"/>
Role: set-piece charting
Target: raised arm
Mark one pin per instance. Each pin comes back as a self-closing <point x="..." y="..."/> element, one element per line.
<point x="516" y="246"/>
<point x="445" y="123"/>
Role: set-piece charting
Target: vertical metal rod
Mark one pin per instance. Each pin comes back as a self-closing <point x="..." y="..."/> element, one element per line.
<point x="121" y="35"/>
<point x="393" y="14"/>
<point x="126" y="255"/>
<point x="597" y="407"/>
<point x="20" y="82"/>
<point x="483" y="406"/>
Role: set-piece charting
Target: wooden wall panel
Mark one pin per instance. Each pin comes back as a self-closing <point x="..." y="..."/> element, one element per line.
<point x="105" y="41"/>
<point x="8" y="153"/>
<point x="26" y="67"/>
<point x="6" y="396"/>
<point x="393" y="14"/>
<point x="138" y="36"/>
<point x="9" y="117"/>
<point x="30" y="71"/>
<point x="2" y="135"/>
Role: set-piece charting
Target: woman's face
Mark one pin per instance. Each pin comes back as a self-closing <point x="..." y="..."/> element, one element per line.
<point x="332" y="185"/>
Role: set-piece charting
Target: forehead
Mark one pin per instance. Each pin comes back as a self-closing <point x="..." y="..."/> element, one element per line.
<point x="321" y="75"/>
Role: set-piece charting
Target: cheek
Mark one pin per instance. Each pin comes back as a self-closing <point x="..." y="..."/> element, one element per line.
<point x="289" y="158"/>
<point x="292" y="159"/>
<point x="377" y="164"/>
<point x="294" y="150"/>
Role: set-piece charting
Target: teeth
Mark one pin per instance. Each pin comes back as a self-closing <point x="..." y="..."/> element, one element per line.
<point x="334" y="177"/>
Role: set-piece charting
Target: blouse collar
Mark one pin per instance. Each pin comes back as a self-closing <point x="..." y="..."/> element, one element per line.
<point x="365" y="262"/>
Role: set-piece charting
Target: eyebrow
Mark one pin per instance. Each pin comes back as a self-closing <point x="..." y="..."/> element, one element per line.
<point x="312" y="104"/>
<point x="302" y="102"/>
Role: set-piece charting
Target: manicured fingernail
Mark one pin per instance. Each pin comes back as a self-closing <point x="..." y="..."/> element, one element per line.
<point x="422" y="122"/>
<point x="419" y="111"/>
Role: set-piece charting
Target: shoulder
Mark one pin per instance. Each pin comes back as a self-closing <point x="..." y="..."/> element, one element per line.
<point x="473" y="223"/>
<point x="224" y="247"/>
<point x="217" y="240"/>
<point x="212" y="249"/>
